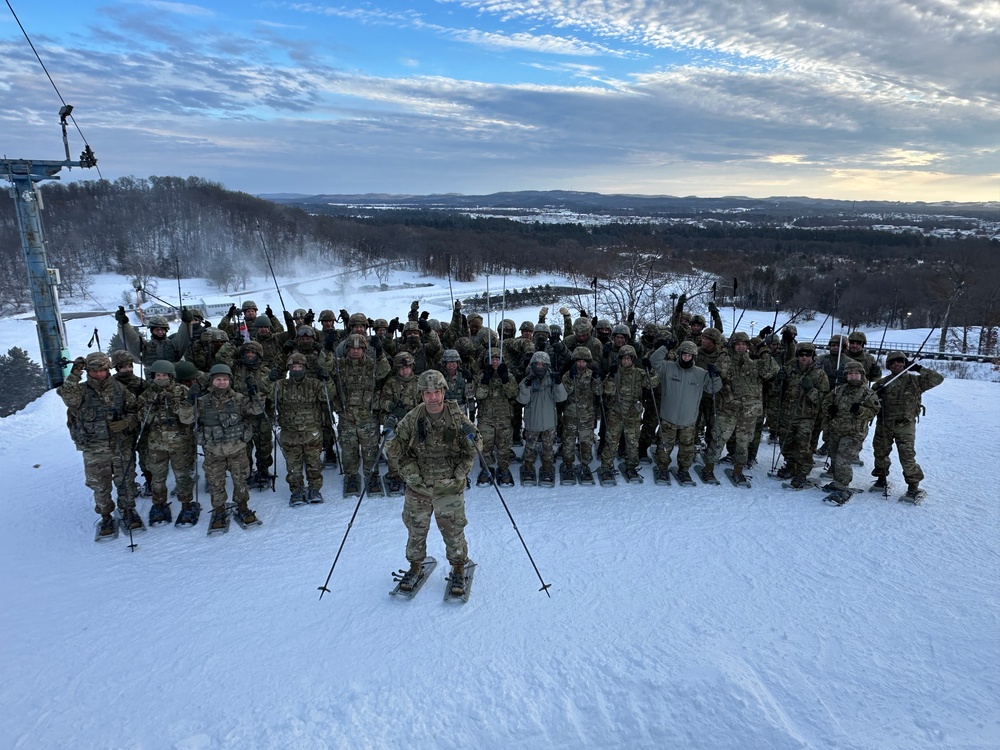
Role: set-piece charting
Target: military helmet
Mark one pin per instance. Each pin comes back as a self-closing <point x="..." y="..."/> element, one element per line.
<point x="858" y="336"/>
<point x="555" y="330"/>
<point x="603" y="323"/>
<point x="807" y="347"/>
<point x="541" y="328"/>
<point x="98" y="361"/>
<point x="838" y="340"/>
<point x="326" y="315"/>
<point x="464" y="346"/>
<point x="756" y="342"/>
<point x="220" y="370"/>
<point x="627" y="351"/>
<point x="697" y="320"/>
<point x="434" y="324"/>
<point x="714" y="334"/>
<point x="687" y="347"/>
<point x="186" y="370"/>
<point x="474" y="316"/>
<point x="219" y="335"/>
<point x="158" y="321"/>
<point x="791" y="329"/>
<point x="306" y="331"/>
<point x="380" y="323"/>
<point x="432" y="380"/>
<point x="582" y="327"/>
<point x="261" y="321"/>
<point x="249" y="304"/>
<point x="487" y="338"/>
<point x="357" y="341"/>
<point x="299" y="313"/>
<point x="540" y="357"/>
<point x="121" y="357"/>
<point x="621" y="330"/>
<point x="650" y="329"/>
<point x="772" y="339"/>
<point x="358" y="319"/>
<point x="196" y="313"/>
<point x="738" y="337"/>
<point x="527" y="326"/>
<point x="506" y="325"/>
<point x="411" y="325"/>
<point x="852" y="365"/>
<point x="451" y="355"/>
<point x="895" y="357"/>
<point x="297" y="358"/>
<point x="583" y="352"/>
<point x="253" y="346"/>
<point x="162" y="365"/>
<point x="403" y="359"/>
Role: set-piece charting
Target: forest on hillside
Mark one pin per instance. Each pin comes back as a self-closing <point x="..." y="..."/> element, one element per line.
<point x="146" y="227"/>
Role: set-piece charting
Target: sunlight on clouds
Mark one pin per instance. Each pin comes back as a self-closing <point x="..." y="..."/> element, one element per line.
<point x="785" y="159"/>
<point x="182" y="9"/>
<point x="900" y="157"/>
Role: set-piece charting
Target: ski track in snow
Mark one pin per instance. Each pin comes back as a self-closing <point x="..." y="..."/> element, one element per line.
<point x="706" y="617"/>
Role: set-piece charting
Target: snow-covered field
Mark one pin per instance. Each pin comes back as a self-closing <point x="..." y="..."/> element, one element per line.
<point x="679" y="618"/>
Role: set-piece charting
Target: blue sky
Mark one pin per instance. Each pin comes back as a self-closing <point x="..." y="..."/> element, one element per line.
<point x="858" y="99"/>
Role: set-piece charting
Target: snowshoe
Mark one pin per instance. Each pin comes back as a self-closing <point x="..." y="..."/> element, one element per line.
<point x="106" y="528"/>
<point x="314" y="496"/>
<point x="408" y="582"/>
<point x="298" y="497"/>
<point x="586" y="476"/>
<point x="219" y="521"/>
<point x="707" y="475"/>
<point x="683" y="477"/>
<point x="741" y="481"/>
<point x="505" y="478"/>
<point x="546" y="477"/>
<point x="160" y="514"/>
<point x="484" y="478"/>
<point x="143" y="490"/>
<point x="607" y="477"/>
<point x="566" y="474"/>
<point x="352" y="485"/>
<point x="394" y="486"/>
<point x="881" y="485"/>
<point x="838" y="497"/>
<point x="131" y="520"/>
<point x="528" y="476"/>
<point x="630" y="475"/>
<point x="783" y="473"/>
<point x="261" y="480"/>
<point x="913" y="495"/>
<point x="459" y="582"/>
<point x="246" y="517"/>
<point x="799" y="483"/>
<point x="374" y="485"/>
<point x="726" y="459"/>
<point x="188" y="516"/>
<point x="661" y="475"/>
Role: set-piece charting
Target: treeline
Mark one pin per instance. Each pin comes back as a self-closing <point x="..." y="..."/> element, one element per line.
<point x="150" y="227"/>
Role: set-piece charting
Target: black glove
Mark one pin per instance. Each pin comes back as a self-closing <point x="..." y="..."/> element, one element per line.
<point x="832" y="409"/>
<point x="787" y="335"/>
<point x="554" y="336"/>
<point x="503" y="373"/>
<point x="389" y="428"/>
<point x="289" y="321"/>
<point x="855" y="408"/>
<point x="528" y="380"/>
<point x="186" y="315"/>
<point x="289" y="347"/>
<point x="425" y="315"/>
<point x="376" y="343"/>
<point x="574" y="371"/>
<point x="583" y="313"/>
<point x="231" y="311"/>
<point x="344" y="315"/>
<point x="555" y="378"/>
<point x="781" y="376"/>
<point x="631" y="317"/>
<point x="330" y="340"/>
<point x="322" y="374"/>
<point x="713" y="370"/>
<point x="251" y="386"/>
<point x="310" y="317"/>
<point x="269" y="312"/>
<point x="193" y="392"/>
<point x="766" y="331"/>
<point x="916" y="368"/>
<point x="371" y="324"/>
<point x="712" y="308"/>
<point x="613" y="371"/>
<point x="487" y="375"/>
<point x="647" y="365"/>
<point x="423" y="325"/>
<point x="80" y="364"/>
<point x="121" y="316"/>
<point x="806" y="385"/>
<point x="274" y="374"/>
<point x="393" y="325"/>
<point x="607" y="349"/>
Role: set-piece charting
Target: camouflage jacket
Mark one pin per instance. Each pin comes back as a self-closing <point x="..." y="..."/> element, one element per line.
<point x="746" y="378"/>
<point x="302" y="404"/>
<point x="798" y="402"/>
<point x="901" y="398"/>
<point x="100" y="414"/>
<point x="623" y="391"/>
<point x="494" y="399"/>
<point x="398" y="396"/>
<point x="159" y="412"/>
<point x="843" y="422"/>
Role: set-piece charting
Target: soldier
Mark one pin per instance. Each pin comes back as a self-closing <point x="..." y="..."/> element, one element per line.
<point x="833" y="365"/>
<point x="900" y="393"/>
<point x="425" y="355"/>
<point x="306" y="343"/>
<point x="399" y="395"/>
<point x="236" y="328"/>
<point x="301" y="404"/>
<point x="856" y="341"/>
<point x="171" y="441"/>
<point x="682" y="386"/>
<point x="622" y="392"/>
<point x="221" y="419"/>
<point x="103" y="423"/>
<point x="848" y="409"/>
<point x="124" y="365"/>
<point x="715" y="359"/>
<point x="583" y="386"/>
<point x="250" y="374"/>
<point x="159" y="345"/>
<point x="644" y="348"/>
<point x="459" y="382"/>
<point x="803" y="386"/>
<point x="358" y="324"/>
<point x="538" y="393"/>
<point x="358" y="376"/>
<point x="495" y="393"/>
<point x="435" y="446"/>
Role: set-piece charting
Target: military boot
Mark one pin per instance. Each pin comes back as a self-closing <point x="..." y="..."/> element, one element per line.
<point x="738" y="475"/>
<point x="880" y="482"/>
<point x="246" y="515"/>
<point x="107" y="525"/>
<point x="708" y="473"/>
<point x="458" y="580"/>
<point x="410" y="577"/>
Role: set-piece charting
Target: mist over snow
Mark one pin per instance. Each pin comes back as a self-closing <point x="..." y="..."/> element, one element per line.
<point x="705" y="617"/>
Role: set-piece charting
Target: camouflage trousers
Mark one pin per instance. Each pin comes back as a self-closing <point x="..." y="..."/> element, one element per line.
<point x="621" y="428"/>
<point x="497" y="436"/>
<point x="261" y="443"/>
<point x="737" y="422"/>
<point x="572" y="429"/>
<point x="448" y="511"/>
<point x="650" y="420"/>
<point x="180" y="456"/>
<point x="844" y="450"/>
<point x="683" y="437"/>
<point x="107" y="467"/>
<point x="754" y="444"/>
<point x="302" y="451"/>
<point x="232" y="458"/>
<point x="796" y="445"/>
<point x="902" y="432"/>
<point x="539" y="442"/>
<point x="358" y="444"/>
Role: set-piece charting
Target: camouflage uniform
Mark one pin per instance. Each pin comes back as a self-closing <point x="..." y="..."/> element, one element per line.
<point x="644" y="348"/>
<point x="357" y="413"/>
<point x="171" y="348"/>
<point x="715" y="355"/>
<point x="103" y="423"/>
<point x="583" y="387"/>
<point x="399" y="394"/>
<point x="435" y="458"/>
<point x="833" y="365"/>
<point x="249" y="370"/>
<point x="847" y="412"/>
<point x="171" y="441"/>
<point x="856" y="350"/>
<point x="301" y="404"/>
<point x="124" y="364"/>
<point x="802" y="389"/>
<point x="495" y="393"/>
<point x="622" y="392"/>
<point x="897" y="420"/>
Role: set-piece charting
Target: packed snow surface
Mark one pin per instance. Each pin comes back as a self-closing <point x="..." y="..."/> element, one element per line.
<point x="704" y="617"/>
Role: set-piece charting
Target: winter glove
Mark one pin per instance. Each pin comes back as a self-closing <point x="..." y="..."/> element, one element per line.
<point x="630" y="319"/>
<point x="322" y="374"/>
<point x="371" y="324"/>
<point x="916" y="368"/>
<point x="487" y="375"/>
<point x="781" y="376"/>
<point x="80" y="364"/>
<point x="344" y="315"/>
<point x="584" y="313"/>
<point x="119" y="425"/>
<point x="330" y="340"/>
<point x="712" y="308"/>
<point x="469" y="430"/>
<point x="121" y="316"/>
<point x="555" y="378"/>
<point x="425" y="315"/>
<point x="542" y="314"/>
<point x="503" y="373"/>
<point x="423" y="325"/>
<point x="855" y="409"/>
<point x="178" y="392"/>
<point x="389" y="428"/>
<point x="806" y="384"/>
<point x="458" y="305"/>
<point x="231" y="311"/>
<point x="528" y="380"/>
<point x="269" y="312"/>
<point x="564" y="311"/>
<point x="289" y="347"/>
<point x="186" y="315"/>
<point x="393" y="325"/>
<point x="766" y="331"/>
<point x="647" y="365"/>
<point x="376" y="343"/>
<point x="832" y="409"/>
<point x="274" y="375"/>
<point x="613" y="371"/>
<point x="713" y="370"/>
<point x="310" y="317"/>
<point x="289" y="321"/>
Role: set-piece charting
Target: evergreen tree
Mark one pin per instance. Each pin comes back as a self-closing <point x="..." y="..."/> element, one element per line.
<point x="23" y="381"/>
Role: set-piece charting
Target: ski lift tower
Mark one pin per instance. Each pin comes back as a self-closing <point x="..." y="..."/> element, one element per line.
<point x="24" y="176"/>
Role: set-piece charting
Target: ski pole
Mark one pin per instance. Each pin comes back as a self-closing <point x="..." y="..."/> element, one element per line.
<point x="268" y="257"/>
<point x="471" y="435"/>
<point x="450" y="292"/>
<point x="364" y="491"/>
